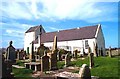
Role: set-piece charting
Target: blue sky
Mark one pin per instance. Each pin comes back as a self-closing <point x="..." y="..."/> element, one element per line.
<point x="18" y="16"/>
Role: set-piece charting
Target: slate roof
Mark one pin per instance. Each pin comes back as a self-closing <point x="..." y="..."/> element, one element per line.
<point x="87" y="32"/>
<point x="32" y="29"/>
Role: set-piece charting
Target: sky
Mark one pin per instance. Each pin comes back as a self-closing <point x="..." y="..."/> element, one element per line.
<point x="17" y="16"/>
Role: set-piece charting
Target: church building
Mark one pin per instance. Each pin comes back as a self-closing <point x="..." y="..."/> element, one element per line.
<point x="70" y="39"/>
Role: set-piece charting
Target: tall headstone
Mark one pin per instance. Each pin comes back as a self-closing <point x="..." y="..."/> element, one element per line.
<point x="91" y="58"/>
<point x="95" y="49"/>
<point x="32" y="56"/>
<point x="67" y="59"/>
<point x="55" y="43"/>
<point x="11" y="54"/>
<point x="85" y="72"/>
<point x="53" y="56"/>
<point x="45" y="62"/>
<point x="110" y="53"/>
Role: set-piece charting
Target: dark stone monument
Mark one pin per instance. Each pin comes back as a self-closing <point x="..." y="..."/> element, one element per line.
<point x="32" y="56"/>
<point x="45" y="62"/>
<point x="11" y="54"/>
<point x="85" y="72"/>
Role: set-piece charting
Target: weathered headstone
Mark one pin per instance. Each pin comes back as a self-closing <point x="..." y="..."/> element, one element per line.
<point x="45" y="62"/>
<point x="55" y="43"/>
<point x="110" y="54"/>
<point x="53" y="60"/>
<point x="6" y="69"/>
<point x="59" y="56"/>
<point x="91" y="58"/>
<point x="95" y="49"/>
<point x="75" y="54"/>
<point x="11" y="54"/>
<point x="85" y="72"/>
<point x="32" y="56"/>
<point x="20" y="54"/>
<point x="67" y="59"/>
<point x="53" y="56"/>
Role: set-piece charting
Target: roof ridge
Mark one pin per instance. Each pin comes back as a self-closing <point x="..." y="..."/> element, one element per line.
<point x="72" y="29"/>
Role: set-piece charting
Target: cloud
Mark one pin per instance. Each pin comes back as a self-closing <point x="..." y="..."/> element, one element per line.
<point x="53" y="10"/>
<point x="54" y="29"/>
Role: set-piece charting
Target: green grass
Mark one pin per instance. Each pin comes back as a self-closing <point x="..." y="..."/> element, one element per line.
<point x="22" y="73"/>
<point x="104" y="66"/>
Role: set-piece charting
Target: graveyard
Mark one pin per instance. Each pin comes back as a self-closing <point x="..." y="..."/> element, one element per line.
<point x="57" y="64"/>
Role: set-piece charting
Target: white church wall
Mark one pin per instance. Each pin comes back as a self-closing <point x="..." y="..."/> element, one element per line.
<point x="100" y="41"/>
<point x="29" y="37"/>
<point x="72" y="45"/>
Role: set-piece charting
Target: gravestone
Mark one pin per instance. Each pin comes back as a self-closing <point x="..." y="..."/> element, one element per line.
<point x="59" y="56"/>
<point x="67" y="59"/>
<point x="11" y="54"/>
<point x="85" y="72"/>
<point x="55" y="43"/>
<point x="53" y="56"/>
<point x="53" y="60"/>
<point x="91" y="58"/>
<point x="95" y="49"/>
<point x="32" y="56"/>
<point x="45" y="62"/>
<point x="110" y="54"/>
<point x="75" y="54"/>
<point x="6" y="69"/>
<point x="20" y="54"/>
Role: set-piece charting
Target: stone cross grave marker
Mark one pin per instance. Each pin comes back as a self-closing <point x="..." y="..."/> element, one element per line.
<point x="45" y="62"/>
<point x="11" y="54"/>
<point x="85" y="72"/>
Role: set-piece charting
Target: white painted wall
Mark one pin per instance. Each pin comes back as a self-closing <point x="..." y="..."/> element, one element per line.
<point x="100" y="40"/>
<point x="74" y="44"/>
<point x="29" y="37"/>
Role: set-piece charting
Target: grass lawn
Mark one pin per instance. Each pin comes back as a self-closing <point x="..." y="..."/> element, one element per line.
<point x="105" y="67"/>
